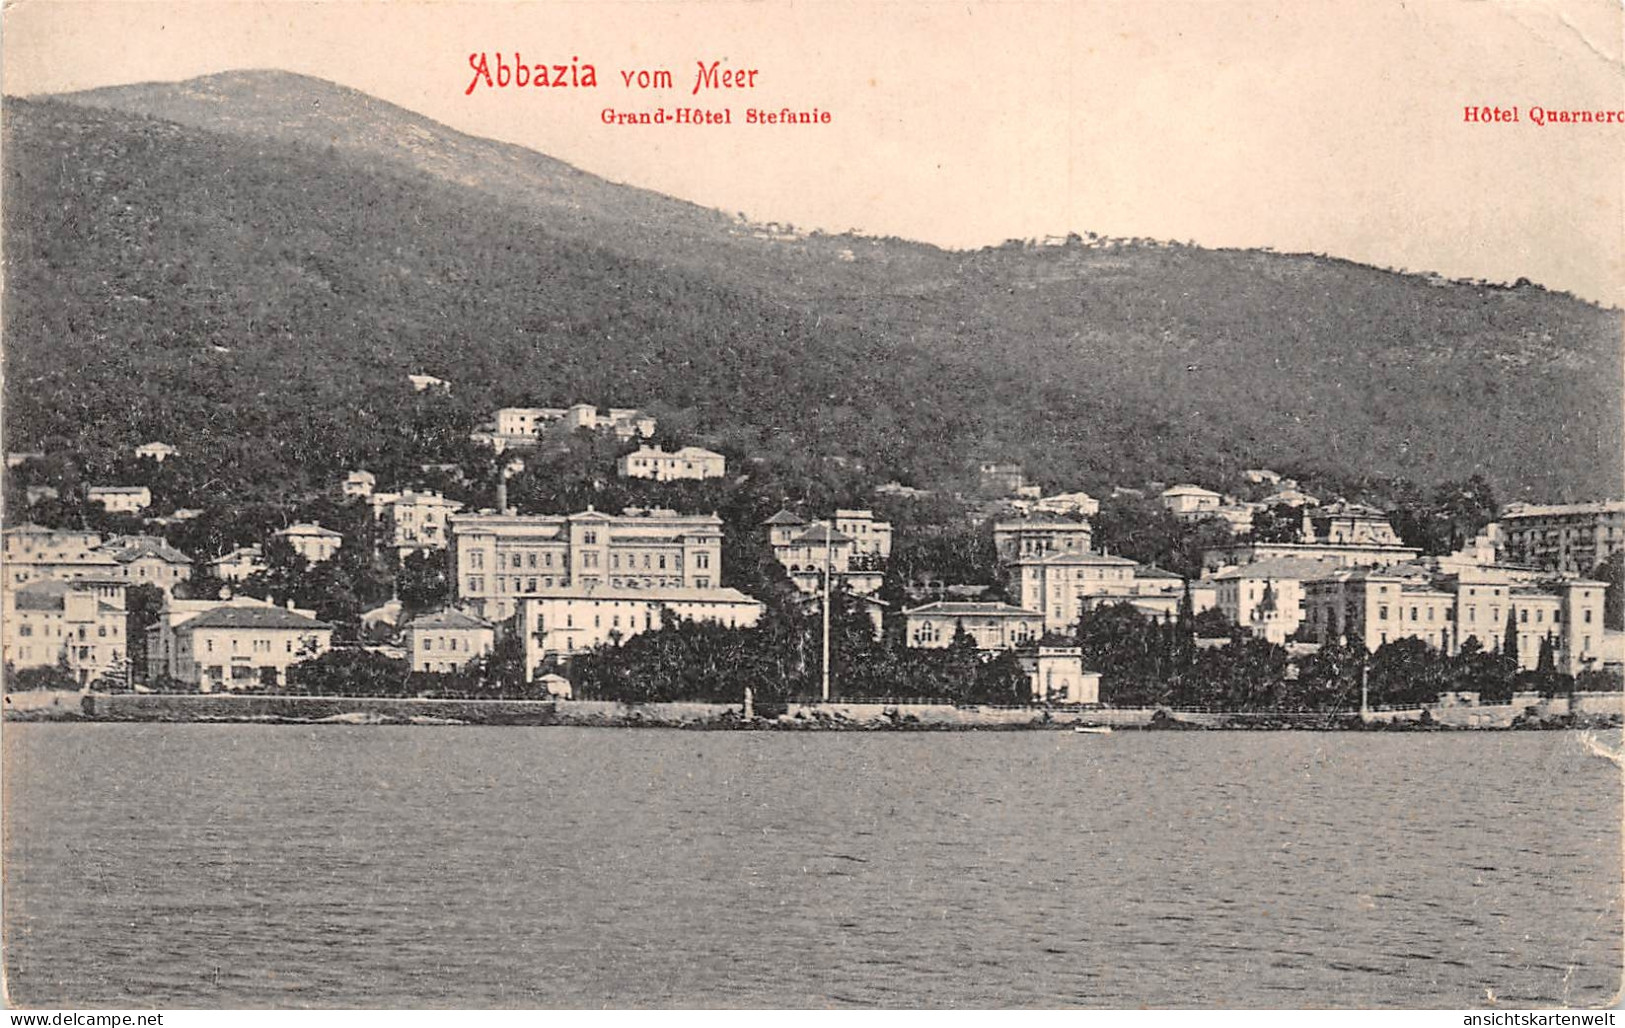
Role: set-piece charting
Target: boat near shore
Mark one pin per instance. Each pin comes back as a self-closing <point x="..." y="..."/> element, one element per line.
<point x="1092" y="729"/>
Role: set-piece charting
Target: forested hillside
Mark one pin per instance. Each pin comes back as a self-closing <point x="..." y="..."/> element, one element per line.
<point x="253" y="279"/>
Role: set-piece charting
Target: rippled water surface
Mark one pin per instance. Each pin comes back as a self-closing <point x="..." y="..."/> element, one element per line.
<point x="240" y="865"/>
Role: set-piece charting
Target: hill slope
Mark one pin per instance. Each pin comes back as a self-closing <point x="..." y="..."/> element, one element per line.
<point x="149" y="225"/>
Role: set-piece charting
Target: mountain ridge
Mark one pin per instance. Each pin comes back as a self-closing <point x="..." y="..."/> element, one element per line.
<point x="1115" y="362"/>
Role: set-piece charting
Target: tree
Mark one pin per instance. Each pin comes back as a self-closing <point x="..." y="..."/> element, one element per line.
<point x="423" y="582"/>
<point x="1612" y="571"/>
<point x="142" y="603"/>
<point x="1279" y="523"/>
<point x="1509" y="641"/>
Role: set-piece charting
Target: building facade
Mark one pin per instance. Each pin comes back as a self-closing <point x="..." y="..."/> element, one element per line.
<point x="809" y="551"/>
<point x="148" y="560"/>
<point x="691" y="463"/>
<point x="34" y="554"/>
<point x="120" y="499"/>
<point x="312" y="542"/>
<point x="1190" y="501"/>
<point x="502" y="558"/>
<point x="567" y="620"/>
<point x="1061" y="586"/>
<point x="358" y="485"/>
<point x="993" y="626"/>
<point x="1570" y="538"/>
<point x="238" y="564"/>
<point x="1267" y="597"/>
<point x="447" y="640"/>
<point x="1057" y="675"/>
<point x="1379" y="606"/>
<point x="414" y="521"/>
<point x="238" y="644"/>
<point x="159" y="452"/>
<point x="77" y="624"/>
<point x="1040" y="535"/>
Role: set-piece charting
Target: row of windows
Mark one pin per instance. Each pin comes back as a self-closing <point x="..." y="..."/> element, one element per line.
<point x="449" y="644"/>
<point x="260" y="645"/>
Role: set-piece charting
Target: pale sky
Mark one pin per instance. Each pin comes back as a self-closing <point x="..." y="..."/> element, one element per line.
<point x="1293" y="124"/>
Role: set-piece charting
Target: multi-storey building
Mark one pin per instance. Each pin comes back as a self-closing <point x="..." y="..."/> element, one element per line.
<point x="1191" y="501"/>
<point x="1381" y="605"/>
<point x="358" y="485"/>
<point x="1276" y="583"/>
<point x="503" y="558"/>
<point x="1343" y="533"/>
<point x="414" y="521"/>
<point x="241" y="563"/>
<point x="1079" y="503"/>
<point x="237" y="644"/>
<point x="1349" y="524"/>
<point x="870" y="536"/>
<point x="312" y="542"/>
<point x="148" y="560"/>
<point x="78" y="624"/>
<point x="526" y="426"/>
<point x="1573" y="538"/>
<point x="1040" y="535"/>
<point x="570" y="619"/>
<point x="120" y="499"/>
<point x="688" y="463"/>
<point x="33" y="554"/>
<point x="809" y="551"/>
<point x="1061" y="586"/>
<point x="993" y="626"/>
<point x="447" y="640"/>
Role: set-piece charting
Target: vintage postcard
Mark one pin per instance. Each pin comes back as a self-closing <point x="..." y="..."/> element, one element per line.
<point x="878" y="505"/>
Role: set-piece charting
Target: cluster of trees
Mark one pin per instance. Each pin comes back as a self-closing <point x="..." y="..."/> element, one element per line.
<point x="780" y="659"/>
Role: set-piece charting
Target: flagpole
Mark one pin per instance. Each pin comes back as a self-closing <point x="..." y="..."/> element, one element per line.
<point x="829" y="551"/>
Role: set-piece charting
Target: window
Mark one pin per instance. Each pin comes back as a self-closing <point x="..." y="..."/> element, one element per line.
<point x="589" y="537"/>
<point x="25" y="630"/>
<point x="1382" y="613"/>
<point x="662" y="564"/>
<point x="1523" y="616"/>
<point x="530" y="559"/>
<point x="428" y="644"/>
<point x="1413" y="614"/>
<point x="702" y="560"/>
<point x="476" y="559"/>
<point x="1588" y="616"/>
<point x="589" y="559"/>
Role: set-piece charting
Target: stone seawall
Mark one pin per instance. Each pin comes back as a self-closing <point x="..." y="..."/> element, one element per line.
<point x="214" y="707"/>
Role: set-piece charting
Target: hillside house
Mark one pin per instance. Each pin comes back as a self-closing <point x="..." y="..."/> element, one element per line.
<point x="691" y="463"/>
<point x="120" y="499"/>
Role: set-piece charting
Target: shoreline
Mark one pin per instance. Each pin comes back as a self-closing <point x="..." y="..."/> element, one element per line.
<point x="1594" y="711"/>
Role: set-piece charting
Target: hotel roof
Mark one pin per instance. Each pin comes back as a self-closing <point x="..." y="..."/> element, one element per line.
<point x="653" y="595"/>
<point x="447" y="619"/>
<point x="253" y="617"/>
<point x="950" y="608"/>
